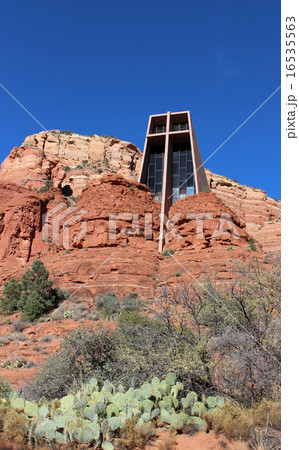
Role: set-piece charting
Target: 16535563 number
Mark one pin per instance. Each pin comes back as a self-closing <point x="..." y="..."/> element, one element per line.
<point x="290" y="46"/>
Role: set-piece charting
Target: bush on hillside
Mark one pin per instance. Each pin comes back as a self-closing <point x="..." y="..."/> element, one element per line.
<point x="5" y="388"/>
<point x="237" y="325"/>
<point x="225" y="340"/>
<point x="109" y="303"/>
<point x="145" y="348"/>
<point x="84" y="353"/>
<point x="46" y="187"/>
<point x="11" y="296"/>
<point x="34" y="295"/>
<point x="130" y="302"/>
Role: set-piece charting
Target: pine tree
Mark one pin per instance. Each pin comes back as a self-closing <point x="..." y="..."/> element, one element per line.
<point x="34" y="307"/>
<point x="11" y="296"/>
<point x="34" y="295"/>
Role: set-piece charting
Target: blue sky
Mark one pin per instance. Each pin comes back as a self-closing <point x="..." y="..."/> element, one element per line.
<point x="103" y="67"/>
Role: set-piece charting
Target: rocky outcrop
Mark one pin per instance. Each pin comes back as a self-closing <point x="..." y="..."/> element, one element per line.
<point x="260" y="213"/>
<point x="41" y="184"/>
<point x="207" y="243"/>
<point x="67" y="159"/>
<point x="75" y="242"/>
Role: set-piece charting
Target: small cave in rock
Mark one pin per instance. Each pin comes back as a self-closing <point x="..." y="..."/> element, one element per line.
<point x="67" y="190"/>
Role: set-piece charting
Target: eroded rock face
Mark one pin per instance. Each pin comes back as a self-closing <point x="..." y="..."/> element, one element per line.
<point x="79" y="203"/>
<point x="74" y="242"/>
<point x="68" y="159"/>
<point x="260" y="213"/>
<point x="211" y="236"/>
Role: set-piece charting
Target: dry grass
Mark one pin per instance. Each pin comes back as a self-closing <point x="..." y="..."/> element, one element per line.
<point x="14" y="425"/>
<point x="166" y="443"/>
<point x="244" y="424"/>
<point x="133" y="436"/>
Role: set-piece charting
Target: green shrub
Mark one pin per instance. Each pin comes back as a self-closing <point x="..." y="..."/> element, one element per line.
<point x="34" y="307"/>
<point x="109" y="303"/>
<point x="34" y="295"/>
<point x="167" y="253"/>
<point x="206" y="189"/>
<point x="130" y="302"/>
<point x="235" y="422"/>
<point x="145" y="347"/>
<point x="84" y="353"/>
<point x="78" y="311"/>
<point x="5" y="388"/>
<point x="11" y="296"/>
<point x="251" y="243"/>
<point x="47" y="186"/>
<point x="67" y="169"/>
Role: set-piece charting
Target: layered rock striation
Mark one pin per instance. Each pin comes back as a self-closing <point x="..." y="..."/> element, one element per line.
<point x="59" y="191"/>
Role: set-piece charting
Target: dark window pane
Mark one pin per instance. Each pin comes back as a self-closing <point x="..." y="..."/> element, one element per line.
<point x="189" y="155"/>
<point x="159" y="128"/>
<point x="189" y="167"/>
<point x="158" y="188"/>
<point x="151" y="170"/>
<point x="158" y="176"/>
<point x="159" y="163"/>
<point x="175" y="156"/>
<point x="190" y="181"/>
<point x="183" y="161"/>
<point x="175" y="168"/>
<point x="175" y="182"/>
<point x="152" y="183"/>
<point x="183" y="174"/>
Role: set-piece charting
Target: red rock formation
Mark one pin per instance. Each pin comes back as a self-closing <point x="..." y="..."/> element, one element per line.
<point x="260" y="213"/>
<point x="75" y="245"/>
<point x="133" y="260"/>
<point x="68" y="159"/>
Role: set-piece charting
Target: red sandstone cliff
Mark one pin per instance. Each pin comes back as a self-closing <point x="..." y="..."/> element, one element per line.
<point x="55" y="158"/>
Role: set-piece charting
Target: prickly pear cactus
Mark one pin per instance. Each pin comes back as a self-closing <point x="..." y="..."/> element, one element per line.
<point x="94" y="416"/>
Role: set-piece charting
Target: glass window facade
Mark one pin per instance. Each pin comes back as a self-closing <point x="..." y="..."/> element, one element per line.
<point x="155" y="173"/>
<point x="182" y="174"/>
<point x="159" y="128"/>
<point x="180" y="126"/>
